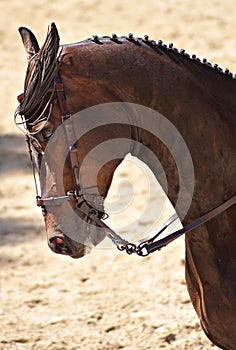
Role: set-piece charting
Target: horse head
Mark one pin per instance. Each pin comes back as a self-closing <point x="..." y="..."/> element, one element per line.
<point x="72" y="219"/>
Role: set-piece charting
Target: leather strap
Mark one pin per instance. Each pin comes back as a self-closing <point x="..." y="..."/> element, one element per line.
<point x="151" y="247"/>
<point x="95" y="200"/>
<point x="69" y="130"/>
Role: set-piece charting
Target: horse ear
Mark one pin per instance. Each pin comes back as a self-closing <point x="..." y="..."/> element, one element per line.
<point x="51" y="43"/>
<point x="29" y="41"/>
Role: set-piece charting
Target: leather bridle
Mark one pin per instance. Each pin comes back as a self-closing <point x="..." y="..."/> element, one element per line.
<point x="95" y="202"/>
<point x="76" y="196"/>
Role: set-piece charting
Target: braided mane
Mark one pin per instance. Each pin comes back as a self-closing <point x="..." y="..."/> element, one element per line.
<point x="43" y="68"/>
<point x="159" y="46"/>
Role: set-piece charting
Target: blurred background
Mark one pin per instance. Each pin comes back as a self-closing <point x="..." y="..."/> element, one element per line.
<point x="106" y="300"/>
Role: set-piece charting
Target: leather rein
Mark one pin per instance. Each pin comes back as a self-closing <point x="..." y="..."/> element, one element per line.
<point x="143" y="247"/>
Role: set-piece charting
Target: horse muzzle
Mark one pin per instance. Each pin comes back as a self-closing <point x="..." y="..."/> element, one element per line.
<point x="62" y="244"/>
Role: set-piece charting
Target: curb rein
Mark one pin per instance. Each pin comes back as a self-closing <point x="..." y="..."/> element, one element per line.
<point x="143" y="247"/>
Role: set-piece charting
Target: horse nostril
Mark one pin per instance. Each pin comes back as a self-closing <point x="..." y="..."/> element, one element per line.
<point x="59" y="245"/>
<point x="58" y="240"/>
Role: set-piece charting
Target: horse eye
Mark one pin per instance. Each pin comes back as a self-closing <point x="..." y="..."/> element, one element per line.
<point x="47" y="133"/>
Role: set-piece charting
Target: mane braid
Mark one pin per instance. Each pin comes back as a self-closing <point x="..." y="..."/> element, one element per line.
<point x="160" y="46"/>
<point x="43" y="68"/>
<point x="40" y="80"/>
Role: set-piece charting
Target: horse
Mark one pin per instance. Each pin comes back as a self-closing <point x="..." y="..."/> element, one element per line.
<point x="195" y="97"/>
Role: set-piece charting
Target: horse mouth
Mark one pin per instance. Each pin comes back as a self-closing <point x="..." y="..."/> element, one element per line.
<point x="62" y="244"/>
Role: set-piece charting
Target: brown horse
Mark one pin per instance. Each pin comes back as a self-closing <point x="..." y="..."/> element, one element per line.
<point x="198" y="99"/>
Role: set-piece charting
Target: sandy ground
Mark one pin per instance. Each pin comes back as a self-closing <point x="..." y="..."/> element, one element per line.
<point x="106" y="300"/>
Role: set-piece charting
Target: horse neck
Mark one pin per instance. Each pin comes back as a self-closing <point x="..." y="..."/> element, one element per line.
<point x="200" y="103"/>
<point x="197" y="100"/>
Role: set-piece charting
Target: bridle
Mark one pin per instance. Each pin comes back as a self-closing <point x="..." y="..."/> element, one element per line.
<point x="95" y="202"/>
<point x="76" y="195"/>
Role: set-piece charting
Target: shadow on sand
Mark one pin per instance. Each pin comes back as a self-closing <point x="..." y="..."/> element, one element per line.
<point x="14" y="164"/>
<point x="13" y="154"/>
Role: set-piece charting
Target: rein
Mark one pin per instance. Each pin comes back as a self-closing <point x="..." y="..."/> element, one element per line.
<point x="147" y="246"/>
<point x="77" y="196"/>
